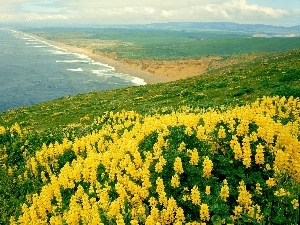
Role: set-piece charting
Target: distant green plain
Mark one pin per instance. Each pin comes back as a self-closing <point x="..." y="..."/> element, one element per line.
<point x="166" y="44"/>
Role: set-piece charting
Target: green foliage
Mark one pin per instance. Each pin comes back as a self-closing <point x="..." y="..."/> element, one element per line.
<point x="290" y="75"/>
<point x="68" y="156"/>
<point x="286" y="91"/>
<point x="243" y="91"/>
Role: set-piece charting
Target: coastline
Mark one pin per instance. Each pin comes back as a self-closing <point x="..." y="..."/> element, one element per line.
<point x="118" y="66"/>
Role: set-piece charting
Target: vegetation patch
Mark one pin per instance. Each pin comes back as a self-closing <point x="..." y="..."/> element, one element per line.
<point x="236" y="165"/>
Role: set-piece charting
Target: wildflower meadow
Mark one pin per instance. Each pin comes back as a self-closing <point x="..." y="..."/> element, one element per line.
<point x="226" y="165"/>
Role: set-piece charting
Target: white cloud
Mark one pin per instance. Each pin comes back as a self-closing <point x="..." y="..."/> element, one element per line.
<point x="239" y="9"/>
<point x="144" y="11"/>
<point x="39" y="17"/>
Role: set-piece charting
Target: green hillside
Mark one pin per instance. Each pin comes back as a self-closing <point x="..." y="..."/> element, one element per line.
<point x="276" y="74"/>
<point x="198" y="150"/>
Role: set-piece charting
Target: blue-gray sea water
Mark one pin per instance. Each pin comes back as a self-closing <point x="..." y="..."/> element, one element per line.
<point x="33" y="71"/>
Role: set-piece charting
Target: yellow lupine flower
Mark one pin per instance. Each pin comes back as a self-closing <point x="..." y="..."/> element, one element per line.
<point x="207" y="190"/>
<point x="207" y="167"/>
<point x="175" y="181"/>
<point x="10" y="171"/>
<point x="237" y="211"/>
<point x="153" y="202"/>
<point x="179" y="218"/>
<point x="258" y="188"/>
<point x="114" y="208"/>
<point x="204" y="212"/>
<point x="160" y="189"/>
<point x="195" y="196"/>
<point x="268" y="167"/>
<point x="271" y="182"/>
<point x="258" y="214"/>
<point x="221" y="132"/>
<point x="189" y="131"/>
<point x="201" y="133"/>
<point x="224" y="193"/>
<point x="194" y="157"/>
<point x="12" y="221"/>
<point x="236" y="147"/>
<point x="160" y="164"/>
<point x="2" y="130"/>
<point x="181" y="146"/>
<point x="295" y="203"/>
<point x="281" y="192"/>
<point x="246" y="152"/>
<point x="259" y="156"/>
<point x="178" y="165"/>
<point x="15" y="128"/>
<point x="244" y="197"/>
<point x="242" y="129"/>
<point x="186" y="197"/>
<point x="120" y="220"/>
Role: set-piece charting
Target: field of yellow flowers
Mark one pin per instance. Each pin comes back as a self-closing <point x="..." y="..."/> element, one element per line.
<point x="191" y="166"/>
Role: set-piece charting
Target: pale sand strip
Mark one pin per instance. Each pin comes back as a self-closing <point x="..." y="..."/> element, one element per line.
<point x="119" y="67"/>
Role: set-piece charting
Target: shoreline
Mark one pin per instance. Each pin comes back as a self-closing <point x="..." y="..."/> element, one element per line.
<point x="119" y="67"/>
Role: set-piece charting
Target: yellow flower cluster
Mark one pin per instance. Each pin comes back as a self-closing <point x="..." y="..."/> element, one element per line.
<point x="15" y="128"/>
<point x="112" y="175"/>
<point x="244" y="198"/>
<point x="195" y="196"/>
<point x="224" y="194"/>
<point x="207" y="167"/>
<point x="204" y="212"/>
<point x="281" y="192"/>
<point x="194" y="156"/>
<point x="295" y="203"/>
<point x="178" y="165"/>
<point x="271" y="182"/>
<point x="259" y="156"/>
<point x="2" y="130"/>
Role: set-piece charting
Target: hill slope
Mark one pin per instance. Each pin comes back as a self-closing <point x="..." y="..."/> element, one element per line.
<point x="276" y="74"/>
<point x="65" y="160"/>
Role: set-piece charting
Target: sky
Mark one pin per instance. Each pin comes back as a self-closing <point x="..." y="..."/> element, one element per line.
<point x="72" y="12"/>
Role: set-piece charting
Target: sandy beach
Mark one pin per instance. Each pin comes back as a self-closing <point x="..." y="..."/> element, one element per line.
<point x="119" y="66"/>
<point x="155" y="71"/>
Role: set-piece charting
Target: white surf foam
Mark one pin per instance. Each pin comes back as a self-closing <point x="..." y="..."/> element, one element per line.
<point x="33" y="43"/>
<point x="59" y="52"/>
<point x="106" y="73"/>
<point x="102" y="72"/>
<point x="111" y="68"/>
<point x="82" y="56"/>
<point x="72" y="61"/>
<point x="76" y="70"/>
<point x="138" y="81"/>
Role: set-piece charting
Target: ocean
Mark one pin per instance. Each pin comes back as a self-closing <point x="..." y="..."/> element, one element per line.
<point x="33" y="71"/>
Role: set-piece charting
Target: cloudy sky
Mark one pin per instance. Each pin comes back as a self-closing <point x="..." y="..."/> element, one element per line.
<point x="60" y="12"/>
